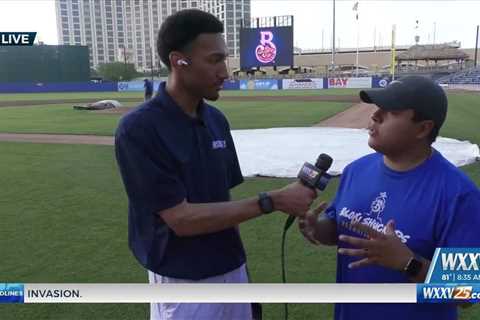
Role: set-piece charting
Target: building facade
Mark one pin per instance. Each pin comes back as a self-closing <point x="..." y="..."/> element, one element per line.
<point x="125" y="30"/>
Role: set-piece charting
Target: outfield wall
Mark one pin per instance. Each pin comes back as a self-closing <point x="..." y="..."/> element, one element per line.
<point x="58" y="87"/>
<point x="257" y="84"/>
<point x="468" y="87"/>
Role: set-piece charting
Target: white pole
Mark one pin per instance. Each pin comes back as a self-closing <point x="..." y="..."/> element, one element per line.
<point x="393" y="53"/>
<point x="322" y="40"/>
<point x="333" y="39"/>
<point x="355" y="8"/>
<point x="358" y="39"/>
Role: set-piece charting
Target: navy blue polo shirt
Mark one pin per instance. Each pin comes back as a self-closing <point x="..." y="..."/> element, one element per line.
<point x="166" y="156"/>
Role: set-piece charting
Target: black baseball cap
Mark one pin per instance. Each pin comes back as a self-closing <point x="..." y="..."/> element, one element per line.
<point x="412" y="92"/>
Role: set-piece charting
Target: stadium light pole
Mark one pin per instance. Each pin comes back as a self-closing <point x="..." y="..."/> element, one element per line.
<point x="476" y="48"/>
<point x="392" y="63"/>
<point x="333" y="39"/>
<point x="151" y="62"/>
<point x="124" y="60"/>
<point x="323" y="43"/>
<point x="355" y="8"/>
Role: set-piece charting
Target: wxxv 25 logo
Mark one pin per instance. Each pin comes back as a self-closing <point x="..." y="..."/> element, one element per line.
<point x="438" y="293"/>
<point x="455" y="265"/>
<point x="17" y="38"/>
<point x="454" y="275"/>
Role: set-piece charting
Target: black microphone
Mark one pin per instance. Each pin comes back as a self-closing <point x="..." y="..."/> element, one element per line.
<point x="314" y="177"/>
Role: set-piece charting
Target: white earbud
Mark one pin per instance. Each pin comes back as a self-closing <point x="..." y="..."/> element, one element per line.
<point x="182" y="62"/>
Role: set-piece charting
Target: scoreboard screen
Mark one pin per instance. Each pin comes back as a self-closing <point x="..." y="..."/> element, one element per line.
<point x="262" y="47"/>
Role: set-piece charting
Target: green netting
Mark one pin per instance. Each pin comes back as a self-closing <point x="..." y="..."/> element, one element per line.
<point x="42" y="63"/>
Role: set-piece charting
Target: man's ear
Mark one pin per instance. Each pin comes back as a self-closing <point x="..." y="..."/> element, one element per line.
<point x="425" y="127"/>
<point x="177" y="59"/>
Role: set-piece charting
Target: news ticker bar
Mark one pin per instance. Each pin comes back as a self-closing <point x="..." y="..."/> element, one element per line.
<point x="238" y="293"/>
<point x="210" y="293"/>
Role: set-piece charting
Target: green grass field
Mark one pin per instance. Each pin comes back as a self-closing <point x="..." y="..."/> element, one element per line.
<point x="64" y="216"/>
<point x="139" y="95"/>
<point x="242" y="115"/>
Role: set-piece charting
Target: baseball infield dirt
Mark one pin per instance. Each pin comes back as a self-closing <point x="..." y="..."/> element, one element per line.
<point x="357" y="116"/>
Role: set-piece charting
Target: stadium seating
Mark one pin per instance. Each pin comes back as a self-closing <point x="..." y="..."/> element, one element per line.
<point x="470" y="76"/>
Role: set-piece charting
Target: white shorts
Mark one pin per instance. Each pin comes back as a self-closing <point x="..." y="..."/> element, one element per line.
<point x="200" y="311"/>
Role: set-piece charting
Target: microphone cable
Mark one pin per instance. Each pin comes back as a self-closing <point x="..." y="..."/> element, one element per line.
<point x="288" y="224"/>
<point x="315" y="177"/>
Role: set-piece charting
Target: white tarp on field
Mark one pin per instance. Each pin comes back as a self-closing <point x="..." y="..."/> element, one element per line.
<point x="280" y="152"/>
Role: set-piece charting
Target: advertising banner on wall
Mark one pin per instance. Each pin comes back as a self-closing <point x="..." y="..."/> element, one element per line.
<point x="130" y="86"/>
<point x="136" y="86"/>
<point x="380" y="82"/>
<point x="57" y="87"/>
<point x="231" y="85"/>
<point x="264" y="84"/>
<point x="301" y="84"/>
<point x="339" y="82"/>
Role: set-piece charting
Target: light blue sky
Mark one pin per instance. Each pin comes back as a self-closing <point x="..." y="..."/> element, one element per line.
<point x="451" y="20"/>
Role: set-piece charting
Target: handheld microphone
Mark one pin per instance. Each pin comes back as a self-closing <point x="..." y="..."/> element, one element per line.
<point x="314" y="177"/>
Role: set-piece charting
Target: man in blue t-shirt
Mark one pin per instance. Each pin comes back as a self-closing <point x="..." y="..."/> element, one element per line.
<point x="178" y="163"/>
<point x="394" y="207"/>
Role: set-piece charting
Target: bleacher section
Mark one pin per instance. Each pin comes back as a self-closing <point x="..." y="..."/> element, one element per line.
<point x="470" y="76"/>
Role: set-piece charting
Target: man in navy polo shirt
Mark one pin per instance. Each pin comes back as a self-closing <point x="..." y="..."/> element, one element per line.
<point x="178" y="163"/>
<point x="393" y="208"/>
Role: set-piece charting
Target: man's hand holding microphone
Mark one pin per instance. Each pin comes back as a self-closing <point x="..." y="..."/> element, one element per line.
<point x="296" y="198"/>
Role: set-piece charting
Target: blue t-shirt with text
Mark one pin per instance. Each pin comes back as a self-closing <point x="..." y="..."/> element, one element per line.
<point x="433" y="205"/>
